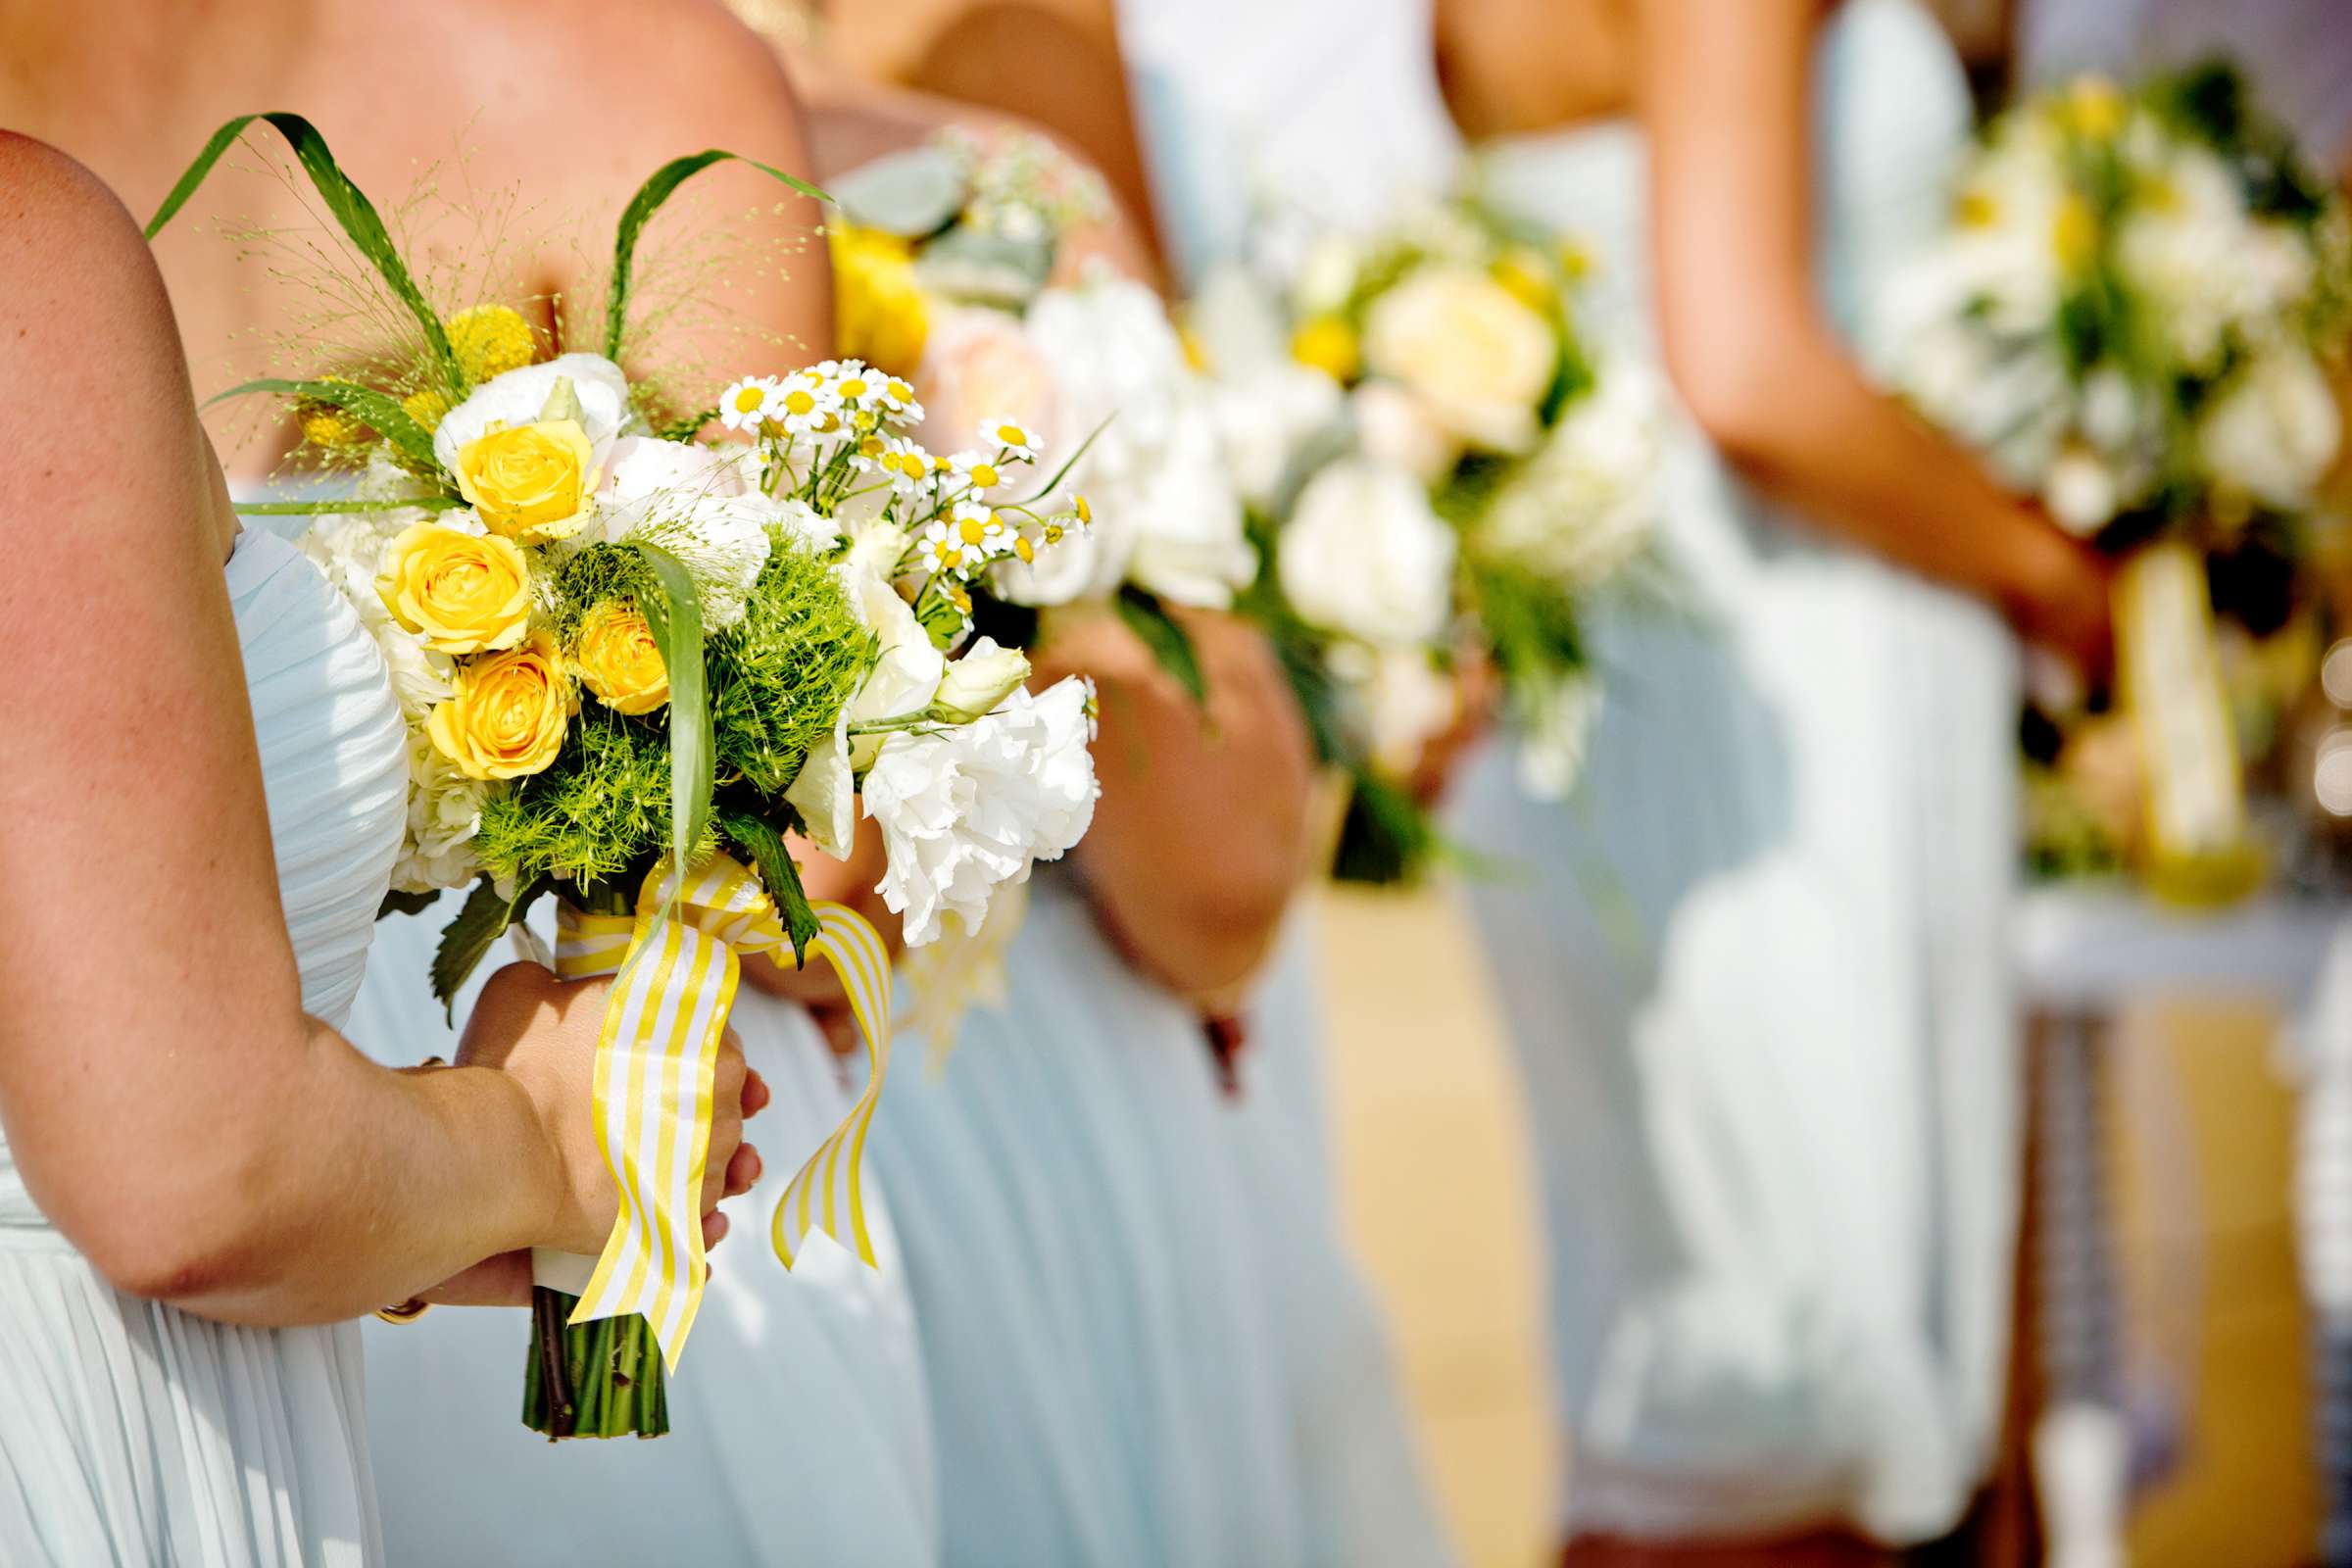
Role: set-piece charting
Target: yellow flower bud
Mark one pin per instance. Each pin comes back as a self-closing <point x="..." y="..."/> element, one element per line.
<point x="530" y="482"/>
<point x="323" y="424"/>
<point x="2074" y="234"/>
<point x="2095" y="107"/>
<point x="1328" y="344"/>
<point x="509" y="714"/>
<point x="426" y="407"/>
<point x="462" y="593"/>
<point x="490" y="340"/>
<point x="617" y="659"/>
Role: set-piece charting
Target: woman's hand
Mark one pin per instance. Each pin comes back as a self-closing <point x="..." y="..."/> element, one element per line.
<point x="542" y="1032"/>
<point x="2064" y="603"/>
<point x="1477" y="698"/>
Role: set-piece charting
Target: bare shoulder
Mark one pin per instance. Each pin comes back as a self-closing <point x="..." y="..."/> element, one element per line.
<point x="86" y="326"/>
<point x="685" y="69"/>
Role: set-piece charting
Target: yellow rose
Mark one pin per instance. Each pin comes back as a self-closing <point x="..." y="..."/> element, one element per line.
<point x="530" y="482"/>
<point x="507" y="717"/>
<point x="462" y="593"/>
<point x="618" y="661"/>
<point x="1327" y="344"/>
<point x="879" y="315"/>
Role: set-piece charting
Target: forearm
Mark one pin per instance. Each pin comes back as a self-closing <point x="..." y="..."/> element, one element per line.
<point x="1849" y="457"/>
<point x="336" y="1188"/>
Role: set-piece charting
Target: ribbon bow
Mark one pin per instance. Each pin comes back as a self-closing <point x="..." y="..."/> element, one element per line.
<point x="676" y="962"/>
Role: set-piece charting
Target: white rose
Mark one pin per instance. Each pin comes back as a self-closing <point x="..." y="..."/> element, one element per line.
<point x="1475" y="354"/>
<point x="2273" y="429"/>
<point x="969" y="809"/>
<point x="519" y="396"/>
<point x="1364" y="554"/>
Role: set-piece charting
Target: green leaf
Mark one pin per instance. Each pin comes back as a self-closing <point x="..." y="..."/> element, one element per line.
<point x="350" y="207"/>
<point x="674" y="615"/>
<point x="380" y="412"/>
<point x="1165" y="636"/>
<point x="467" y="939"/>
<point x="650" y="196"/>
<point x="399" y="903"/>
<point x="1069" y="463"/>
<point x="1386" y="838"/>
<point x="687" y="427"/>
<point x="758" y="838"/>
<point x="312" y="509"/>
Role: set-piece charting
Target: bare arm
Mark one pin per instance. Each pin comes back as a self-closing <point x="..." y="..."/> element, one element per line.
<point x="1724" y="92"/>
<point x="1201" y="834"/>
<point x="171" y="1110"/>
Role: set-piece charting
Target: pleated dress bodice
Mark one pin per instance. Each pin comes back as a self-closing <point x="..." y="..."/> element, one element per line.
<point x="135" y="1433"/>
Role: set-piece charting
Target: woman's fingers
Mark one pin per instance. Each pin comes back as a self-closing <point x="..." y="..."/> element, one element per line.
<point x="501" y="1281"/>
<point x="755" y="1093"/>
<point x="714" y="1231"/>
<point x="743" y="1171"/>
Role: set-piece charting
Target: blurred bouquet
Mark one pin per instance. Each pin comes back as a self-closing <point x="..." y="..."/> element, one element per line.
<point x="947" y="260"/>
<point x="1438" y="477"/>
<point x="633" y="659"/>
<point x="2135" y="316"/>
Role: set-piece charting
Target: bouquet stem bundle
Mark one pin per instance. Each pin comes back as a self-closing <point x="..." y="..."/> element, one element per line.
<point x="597" y="1380"/>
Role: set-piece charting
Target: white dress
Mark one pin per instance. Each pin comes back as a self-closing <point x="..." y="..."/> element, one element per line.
<point x="130" y="1432"/>
<point x="799" y="1432"/>
<point x="1755" y="968"/>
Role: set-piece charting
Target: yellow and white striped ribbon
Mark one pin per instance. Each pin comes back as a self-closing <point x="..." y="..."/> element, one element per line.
<point x="676" y="965"/>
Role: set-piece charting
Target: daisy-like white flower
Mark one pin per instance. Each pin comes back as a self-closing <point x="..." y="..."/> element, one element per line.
<point x="905" y="464"/>
<point x="899" y="402"/>
<point x="802" y="409"/>
<point x="981" y="471"/>
<point x="943" y="546"/>
<point x="745" y="403"/>
<point x="1013" y="437"/>
<point x="857" y="386"/>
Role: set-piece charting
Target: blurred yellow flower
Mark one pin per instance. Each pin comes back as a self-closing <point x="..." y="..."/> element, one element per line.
<point x="490" y="340"/>
<point x="1328" y="344"/>
<point x="879" y="314"/>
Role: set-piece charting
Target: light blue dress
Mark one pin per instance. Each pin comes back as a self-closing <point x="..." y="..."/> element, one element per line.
<point x="1146" y="1343"/>
<point x="131" y="1432"/>
<point x="1755" y="968"/>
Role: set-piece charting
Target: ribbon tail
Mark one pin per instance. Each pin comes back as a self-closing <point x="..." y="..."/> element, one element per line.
<point x="829" y="1188"/>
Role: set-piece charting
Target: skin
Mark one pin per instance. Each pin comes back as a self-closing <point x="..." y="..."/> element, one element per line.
<point x="275" y="1175"/>
<point x="1204" y="828"/>
<point x="1723" y="96"/>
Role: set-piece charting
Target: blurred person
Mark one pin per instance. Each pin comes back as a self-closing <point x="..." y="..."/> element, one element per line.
<point x="801" y="1429"/>
<point x="1145" y="1339"/>
<point x="201" y="1182"/>
<point x="1758" y="973"/>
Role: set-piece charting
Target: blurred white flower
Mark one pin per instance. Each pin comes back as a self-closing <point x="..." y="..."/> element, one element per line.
<point x="1394" y="431"/>
<point x="2273" y="428"/>
<point x="519" y="396"/>
<point x="1555" y="716"/>
<point x="1267" y="405"/>
<point x="1586" y="503"/>
<point x="445" y="810"/>
<point x="2081" y="490"/>
<point x="1476" y="357"/>
<point x="967" y="810"/>
<point x="1364" y="554"/>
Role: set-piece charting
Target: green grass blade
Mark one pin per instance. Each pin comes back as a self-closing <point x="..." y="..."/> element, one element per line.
<point x="380" y="412"/>
<point x="648" y="201"/>
<point x="674" y="615"/>
<point x="352" y="210"/>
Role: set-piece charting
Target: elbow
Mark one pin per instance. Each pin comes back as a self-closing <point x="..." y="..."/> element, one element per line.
<point x="191" y="1238"/>
<point x="1745" y="386"/>
<point x="1205" y="938"/>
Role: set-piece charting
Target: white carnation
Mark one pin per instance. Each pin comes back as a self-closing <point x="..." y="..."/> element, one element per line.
<point x="969" y="809"/>
<point x="2273" y="429"/>
<point x="519" y="396"/>
<point x="1364" y="554"/>
<point x="694" y="502"/>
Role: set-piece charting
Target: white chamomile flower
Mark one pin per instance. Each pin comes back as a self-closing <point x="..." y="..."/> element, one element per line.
<point x="899" y="402"/>
<point x="859" y="387"/>
<point x="943" y="546"/>
<point x="744" y="404"/>
<point x="1013" y="437"/>
<point x="980" y="471"/>
<point x="907" y="466"/>
<point x="805" y="410"/>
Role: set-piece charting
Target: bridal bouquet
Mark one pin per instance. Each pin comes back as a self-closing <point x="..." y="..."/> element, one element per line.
<point x="946" y="258"/>
<point x="635" y="656"/>
<point x="2135" y="316"/>
<point x="1440" y="475"/>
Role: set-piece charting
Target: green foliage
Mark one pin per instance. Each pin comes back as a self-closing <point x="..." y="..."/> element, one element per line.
<point x="1530" y="621"/>
<point x="352" y="210"/>
<point x="674" y="613"/>
<point x="760" y="841"/>
<point x="465" y="940"/>
<point x="1386" y="838"/>
<point x="779" y="675"/>
<point x="601" y="813"/>
<point x="650" y="196"/>
<point x="380" y="412"/>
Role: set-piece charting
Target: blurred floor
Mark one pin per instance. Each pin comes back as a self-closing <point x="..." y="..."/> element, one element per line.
<point x="1438" y="1188"/>
<point x="1421" y="1084"/>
